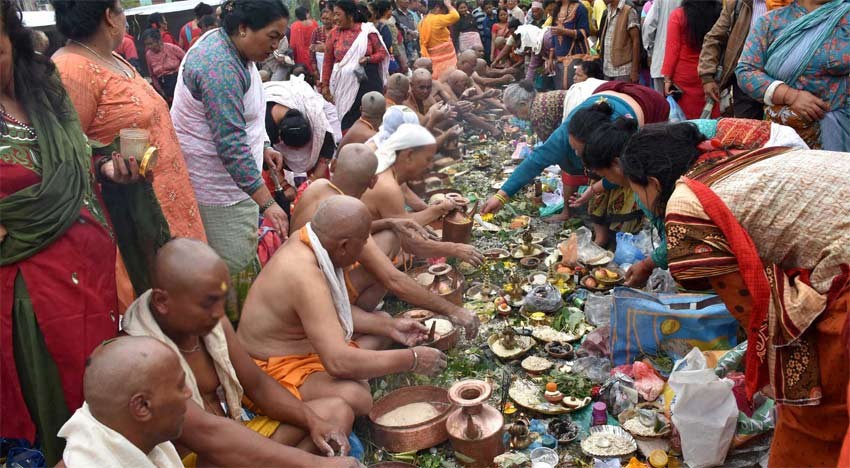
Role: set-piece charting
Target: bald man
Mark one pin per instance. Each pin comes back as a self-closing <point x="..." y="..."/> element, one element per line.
<point x="398" y="88"/>
<point x="135" y="403"/>
<point x="303" y="330"/>
<point x="354" y="173"/>
<point x="372" y="108"/>
<point x="185" y="310"/>
<point x="424" y="62"/>
<point x="461" y="85"/>
<point x="466" y="62"/>
<point x="485" y="77"/>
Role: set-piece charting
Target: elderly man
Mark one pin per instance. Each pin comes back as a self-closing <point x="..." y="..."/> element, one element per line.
<point x="398" y="89"/>
<point x="421" y="98"/>
<point x="354" y="173"/>
<point x="135" y="403"/>
<point x="185" y="310"/>
<point x="302" y="330"/>
<point x="461" y="85"/>
<point x="372" y="108"/>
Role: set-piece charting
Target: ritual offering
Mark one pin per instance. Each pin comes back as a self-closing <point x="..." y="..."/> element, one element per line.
<point x="440" y="279"/>
<point x="535" y="365"/>
<point x="496" y="254"/>
<point x="559" y="349"/>
<point x="475" y="428"/>
<point x="442" y="333"/>
<point x="608" y="442"/>
<point x="608" y="276"/>
<point x="509" y="345"/>
<point x="530" y="395"/>
<point x="457" y="225"/>
<point x="563" y="429"/>
<point x="411" y="418"/>
<point x="552" y="395"/>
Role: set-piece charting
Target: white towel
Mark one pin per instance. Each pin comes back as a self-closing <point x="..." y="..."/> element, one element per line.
<point x="336" y="282"/>
<point x="139" y="321"/>
<point x="89" y="443"/>
<point x="579" y="92"/>
<point x="344" y="84"/>
<point x="406" y="136"/>
<point x="393" y="118"/>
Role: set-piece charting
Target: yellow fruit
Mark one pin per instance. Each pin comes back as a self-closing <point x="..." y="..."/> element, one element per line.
<point x="658" y="459"/>
<point x="612" y="274"/>
<point x="600" y="274"/>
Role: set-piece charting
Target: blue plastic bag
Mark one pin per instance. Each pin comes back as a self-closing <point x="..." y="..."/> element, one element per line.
<point x="676" y="113"/>
<point x="627" y="250"/>
<point x="646" y="323"/>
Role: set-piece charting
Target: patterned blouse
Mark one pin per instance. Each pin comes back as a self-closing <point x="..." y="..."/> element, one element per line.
<point x="218" y="76"/>
<point x="319" y="36"/>
<point x="826" y="76"/>
<point x="547" y="112"/>
<point x="338" y="43"/>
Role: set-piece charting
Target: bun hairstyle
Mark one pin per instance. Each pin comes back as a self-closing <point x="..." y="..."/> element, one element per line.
<point x="606" y="143"/>
<point x="80" y="19"/>
<point x="519" y="95"/>
<point x="664" y="151"/>
<point x="587" y="119"/>
<point x="294" y="129"/>
<point x="255" y="14"/>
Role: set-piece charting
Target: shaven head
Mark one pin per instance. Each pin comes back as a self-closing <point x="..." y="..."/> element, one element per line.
<point x="342" y="224"/>
<point x="480" y="66"/>
<point x="191" y="285"/>
<point x="458" y="81"/>
<point x="421" y="84"/>
<point x="373" y="105"/>
<point x="423" y="62"/>
<point x="398" y="87"/>
<point x="354" y="171"/>
<point x="136" y="386"/>
<point x="466" y="61"/>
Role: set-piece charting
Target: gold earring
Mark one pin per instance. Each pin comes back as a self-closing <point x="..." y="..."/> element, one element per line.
<point x="242" y="34"/>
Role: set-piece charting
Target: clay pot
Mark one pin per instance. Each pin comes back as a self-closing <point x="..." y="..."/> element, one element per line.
<point x="475" y="428"/>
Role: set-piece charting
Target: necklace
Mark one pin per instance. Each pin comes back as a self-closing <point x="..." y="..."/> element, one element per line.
<point x="366" y="122"/>
<point x="30" y="130"/>
<point x="194" y="349"/>
<point x="113" y="63"/>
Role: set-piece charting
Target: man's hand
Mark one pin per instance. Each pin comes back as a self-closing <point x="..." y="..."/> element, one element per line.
<point x="455" y="132"/>
<point x="273" y="159"/>
<point x="468" y="320"/>
<point x="491" y="93"/>
<point x="808" y="105"/>
<point x="468" y="93"/>
<point x="712" y="90"/>
<point x="408" y="332"/>
<point x="668" y="87"/>
<point x="639" y="272"/>
<point x="430" y="361"/>
<point x="290" y="193"/>
<point x="278" y="219"/>
<point x="468" y="254"/>
<point x="463" y="106"/>
<point x="326" y="93"/>
<point x="325" y="435"/>
<point x="446" y="206"/>
<point x="342" y="462"/>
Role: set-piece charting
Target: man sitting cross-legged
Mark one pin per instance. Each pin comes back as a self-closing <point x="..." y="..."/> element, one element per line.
<point x="135" y="403"/>
<point x="185" y="310"/>
<point x="300" y="327"/>
<point x="368" y="282"/>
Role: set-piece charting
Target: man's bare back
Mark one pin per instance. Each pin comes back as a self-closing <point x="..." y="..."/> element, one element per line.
<point x="358" y="133"/>
<point x="318" y="191"/>
<point x="386" y="199"/>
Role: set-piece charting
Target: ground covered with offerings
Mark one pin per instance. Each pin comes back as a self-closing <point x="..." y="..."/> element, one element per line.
<point x="579" y="369"/>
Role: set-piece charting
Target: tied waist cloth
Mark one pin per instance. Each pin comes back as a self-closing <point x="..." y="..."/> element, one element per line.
<point x="262" y="425"/>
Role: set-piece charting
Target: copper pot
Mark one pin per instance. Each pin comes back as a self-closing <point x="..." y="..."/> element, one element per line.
<point x="442" y="280"/>
<point x="418" y="436"/>
<point x="457" y="225"/>
<point x="475" y="428"/>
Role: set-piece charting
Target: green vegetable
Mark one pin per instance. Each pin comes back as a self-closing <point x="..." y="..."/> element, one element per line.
<point x="573" y="385"/>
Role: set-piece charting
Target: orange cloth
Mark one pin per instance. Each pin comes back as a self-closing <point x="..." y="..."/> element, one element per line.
<point x="106" y="102"/>
<point x="812" y="435"/>
<point x="434" y="32"/>
<point x="774" y="4"/>
<point x="292" y="371"/>
<point x="443" y="58"/>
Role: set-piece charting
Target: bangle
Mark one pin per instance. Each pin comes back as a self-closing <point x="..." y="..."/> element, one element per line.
<point x="265" y="206"/>
<point x="502" y="199"/>
<point x="415" y="360"/>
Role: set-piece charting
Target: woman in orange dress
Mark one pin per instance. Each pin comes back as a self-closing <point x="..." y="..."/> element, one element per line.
<point x="110" y="95"/>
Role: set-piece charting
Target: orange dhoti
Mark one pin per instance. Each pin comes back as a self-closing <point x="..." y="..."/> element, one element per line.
<point x="292" y="371"/>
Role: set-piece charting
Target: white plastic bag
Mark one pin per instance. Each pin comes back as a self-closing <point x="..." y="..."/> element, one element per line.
<point x="588" y="251"/>
<point x="704" y="411"/>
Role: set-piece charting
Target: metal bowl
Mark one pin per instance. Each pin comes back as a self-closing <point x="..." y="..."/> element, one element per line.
<point x="420" y="436"/>
<point x="610" y="431"/>
<point x="441" y="342"/>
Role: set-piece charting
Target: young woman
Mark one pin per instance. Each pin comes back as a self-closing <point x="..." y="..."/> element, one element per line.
<point x="465" y="32"/>
<point x="500" y="29"/>
<point x="318" y="38"/>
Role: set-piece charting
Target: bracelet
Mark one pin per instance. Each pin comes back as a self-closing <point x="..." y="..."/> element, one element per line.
<point x="502" y="199"/>
<point x="415" y="360"/>
<point x="267" y="205"/>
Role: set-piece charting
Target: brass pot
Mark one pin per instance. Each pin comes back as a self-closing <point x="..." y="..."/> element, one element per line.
<point x="475" y="428"/>
<point x="442" y="280"/>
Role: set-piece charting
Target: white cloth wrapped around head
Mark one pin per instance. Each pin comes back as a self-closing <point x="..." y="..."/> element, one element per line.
<point x="408" y="135"/>
<point x="393" y="118"/>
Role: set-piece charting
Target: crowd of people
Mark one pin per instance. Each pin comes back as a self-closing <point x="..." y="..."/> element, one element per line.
<point x="222" y="305"/>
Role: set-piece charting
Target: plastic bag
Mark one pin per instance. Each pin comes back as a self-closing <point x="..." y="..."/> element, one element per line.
<point x="676" y="113"/>
<point x="619" y="394"/>
<point x="598" y="342"/>
<point x="588" y="251"/>
<point x="569" y="251"/>
<point x="704" y="411"/>
<point x="596" y="369"/>
<point x="544" y="298"/>
<point x="731" y="360"/>
<point x="627" y="250"/>
<point x="661" y="282"/>
<point x="648" y="384"/>
<point x="597" y="309"/>
<point x="763" y="420"/>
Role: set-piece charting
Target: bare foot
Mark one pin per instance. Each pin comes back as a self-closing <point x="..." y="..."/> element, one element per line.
<point x="558" y="218"/>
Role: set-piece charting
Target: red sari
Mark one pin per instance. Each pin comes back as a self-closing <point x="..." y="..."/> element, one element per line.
<point x="299" y="41"/>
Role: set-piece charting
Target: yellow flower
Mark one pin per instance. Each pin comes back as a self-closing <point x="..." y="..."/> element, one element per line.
<point x="487" y="217"/>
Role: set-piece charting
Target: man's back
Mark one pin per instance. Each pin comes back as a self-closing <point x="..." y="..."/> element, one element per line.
<point x="310" y="200"/>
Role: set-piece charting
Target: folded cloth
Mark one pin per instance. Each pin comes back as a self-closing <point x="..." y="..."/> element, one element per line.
<point x="334" y="277"/>
<point x="262" y="425"/>
<point x="91" y="443"/>
<point x="407" y="136"/>
<point x="139" y="321"/>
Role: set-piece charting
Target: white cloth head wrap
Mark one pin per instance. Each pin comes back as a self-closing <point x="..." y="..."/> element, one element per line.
<point x="393" y="117"/>
<point x="407" y="136"/>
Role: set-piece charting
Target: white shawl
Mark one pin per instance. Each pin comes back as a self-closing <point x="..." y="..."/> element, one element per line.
<point x="406" y="136"/>
<point x="297" y="94"/>
<point x="139" y="321"/>
<point x="89" y="443"/>
<point x="336" y="282"/>
<point x="344" y="84"/>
